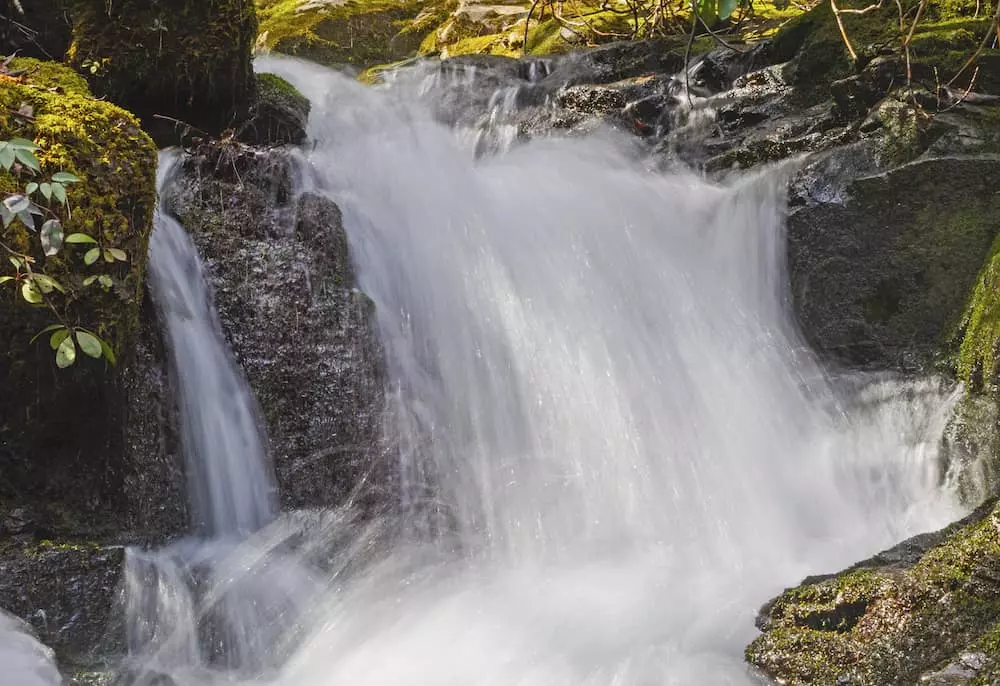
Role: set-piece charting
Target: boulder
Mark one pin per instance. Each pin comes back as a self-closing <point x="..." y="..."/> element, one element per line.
<point x="284" y="288"/>
<point x="188" y="60"/>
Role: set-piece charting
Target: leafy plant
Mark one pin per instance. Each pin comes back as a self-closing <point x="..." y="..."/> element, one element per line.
<point x="41" y="206"/>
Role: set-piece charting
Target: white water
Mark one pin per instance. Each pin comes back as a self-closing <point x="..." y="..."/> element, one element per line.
<point x="24" y="660"/>
<point x="230" y="481"/>
<point x="615" y="445"/>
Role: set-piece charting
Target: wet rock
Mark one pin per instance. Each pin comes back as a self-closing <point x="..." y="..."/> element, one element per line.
<point x="284" y="288"/>
<point x="66" y="593"/>
<point x="278" y="116"/>
<point x="883" y="264"/>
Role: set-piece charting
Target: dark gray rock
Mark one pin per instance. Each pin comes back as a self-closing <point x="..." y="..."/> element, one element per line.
<point x="284" y="289"/>
<point x="881" y="266"/>
<point x="66" y="593"/>
<point x="278" y="115"/>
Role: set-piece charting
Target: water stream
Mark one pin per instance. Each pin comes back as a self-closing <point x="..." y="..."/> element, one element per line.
<point x="615" y="444"/>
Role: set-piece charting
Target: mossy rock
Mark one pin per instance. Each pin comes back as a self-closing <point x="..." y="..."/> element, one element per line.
<point x="185" y="59"/>
<point x="58" y="428"/>
<point x="361" y="33"/>
<point x="891" y="619"/>
<point x="278" y="116"/>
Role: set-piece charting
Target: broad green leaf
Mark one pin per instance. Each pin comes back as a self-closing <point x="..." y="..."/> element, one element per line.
<point x="8" y="216"/>
<point x="22" y="144"/>
<point x="727" y="7"/>
<point x="92" y="255"/>
<point x="52" y="237"/>
<point x="708" y="10"/>
<point x="46" y="189"/>
<point x="7" y="157"/>
<point x="28" y="159"/>
<point x="108" y="256"/>
<point x="30" y="293"/>
<point x="47" y="329"/>
<point x="16" y="261"/>
<point x="80" y="238"/>
<point x="90" y="279"/>
<point x="59" y="191"/>
<point x="66" y="353"/>
<point x="105" y="280"/>
<point x="46" y="283"/>
<point x="30" y="188"/>
<point x="89" y="344"/>
<point x="118" y="254"/>
<point x="109" y="354"/>
<point x="5" y="279"/>
<point x="65" y="177"/>
<point x="57" y="338"/>
<point x="17" y="203"/>
<point x="27" y="218"/>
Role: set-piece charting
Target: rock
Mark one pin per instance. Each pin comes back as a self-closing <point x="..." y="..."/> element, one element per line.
<point x="66" y="592"/>
<point x="41" y="29"/>
<point x="62" y="458"/>
<point x="894" y="618"/>
<point x="882" y="265"/>
<point x="284" y="288"/>
<point x="278" y="116"/>
<point x="185" y="59"/>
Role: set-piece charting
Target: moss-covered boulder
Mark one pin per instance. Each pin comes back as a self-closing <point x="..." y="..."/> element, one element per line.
<point x="352" y="32"/>
<point x="903" y="617"/>
<point x="186" y="59"/>
<point x="278" y="115"/>
<point x="61" y="430"/>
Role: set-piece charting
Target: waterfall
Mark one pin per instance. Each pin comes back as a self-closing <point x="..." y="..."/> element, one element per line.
<point x="26" y="662"/>
<point x="230" y="481"/>
<point x="614" y="443"/>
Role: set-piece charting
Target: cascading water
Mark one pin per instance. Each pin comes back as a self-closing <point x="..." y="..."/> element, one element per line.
<point x="230" y="483"/>
<point x="614" y="444"/>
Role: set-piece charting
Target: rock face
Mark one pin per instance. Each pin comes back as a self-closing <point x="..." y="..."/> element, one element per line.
<point x="285" y="293"/>
<point x="190" y="60"/>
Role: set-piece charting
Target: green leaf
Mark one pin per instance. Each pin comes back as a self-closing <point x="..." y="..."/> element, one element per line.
<point x="30" y="188"/>
<point x="90" y="279"/>
<point x="28" y="159"/>
<point x="80" y="238"/>
<point x="7" y="157"/>
<point x="22" y="144"/>
<point x="46" y="189"/>
<point x="30" y="293"/>
<point x="66" y="353"/>
<point x="5" y="279"/>
<point x="8" y="216"/>
<point x="50" y="327"/>
<point x="89" y="344"/>
<point x="57" y="338"/>
<point x="27" y="219"/>
<point x="17" y="203"/>
<point x="118" y="254"/>
<point x="65" y="177"/>
<point x="16" y="261"/>
<point x="105" y="280"/>
<point x="727" y="7"/>
<point x="108" y="256"/>
<point x="708" y="10"/>
<point x="46" y="283"/>
<point x="109" y="354"/>
<point x="92" y="255"/>
<point x="52" y="237"/>
<point x="59" y="191"/>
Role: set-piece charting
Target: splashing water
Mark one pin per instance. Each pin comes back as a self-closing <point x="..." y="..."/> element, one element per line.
<point x="614" y="443"/>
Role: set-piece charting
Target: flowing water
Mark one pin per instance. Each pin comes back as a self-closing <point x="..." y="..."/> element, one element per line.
<point x="614" y="443"/>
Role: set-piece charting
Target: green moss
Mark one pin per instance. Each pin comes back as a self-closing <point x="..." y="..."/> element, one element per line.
<point x="980" y="338"/>
<point x="189" y="59"/>
<point x="884" y="625"/>
<point x="105" y="147"/>
<point x="357" y="32"/>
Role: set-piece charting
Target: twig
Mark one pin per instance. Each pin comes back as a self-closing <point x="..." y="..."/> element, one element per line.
<point x="527" y="24"/>
<point x="687" y="52"/>
<point x="843" y="32"/>
<point x="982" y="46"/>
